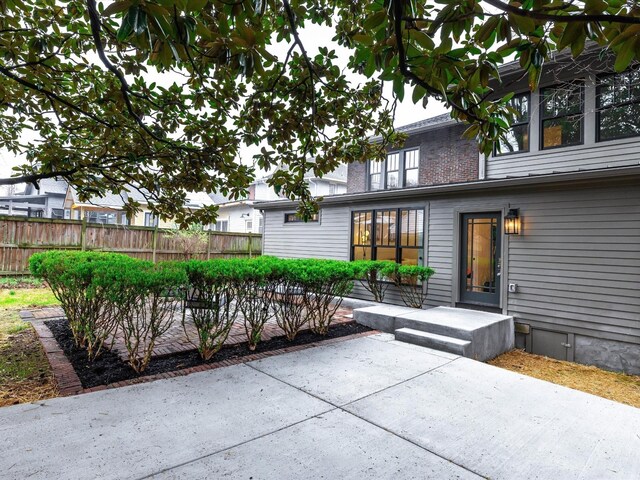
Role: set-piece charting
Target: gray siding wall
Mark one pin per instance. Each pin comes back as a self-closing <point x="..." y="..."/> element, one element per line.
<point x="328" y="238"/>
<point x="577" y="262"/>
<point x="615" y="153"/>
<point x="590" y="155"/>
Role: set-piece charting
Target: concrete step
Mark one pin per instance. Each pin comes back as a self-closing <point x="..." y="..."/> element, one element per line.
<point x="429" y="326"/>
<point x="489" y="334"/>
<point x="452" y="322"/>
<point x="433" y="340"/>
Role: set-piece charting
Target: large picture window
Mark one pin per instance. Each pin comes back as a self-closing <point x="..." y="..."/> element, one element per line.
<point x="562" y="115"/>
<point x="517" y="138"/>
<point x="400" y="169"/>
<point x="388" y="234"/>
<point x="618" y="103"/>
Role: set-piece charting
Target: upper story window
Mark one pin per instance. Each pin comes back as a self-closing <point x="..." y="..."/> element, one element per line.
<point x="393" y="171"/>
<point x="375" y="175"/>
<point x="562" y="115"/>
<point x="411" y="165"/>
<point x="618" y="105"/>
<point x="400" y="169"/>
<point x="517" y="138"/>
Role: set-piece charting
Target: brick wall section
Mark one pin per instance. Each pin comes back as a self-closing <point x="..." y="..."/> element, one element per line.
<point x="445" y="157"/>
<point x="356" y="177"/>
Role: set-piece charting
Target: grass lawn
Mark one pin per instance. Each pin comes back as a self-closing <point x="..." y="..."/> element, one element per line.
<point x="614" y="386"/>
<point x="25" y="375"/>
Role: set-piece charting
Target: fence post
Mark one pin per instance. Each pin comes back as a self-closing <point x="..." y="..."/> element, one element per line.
<point x="208" y="244"/>
<point x="250" y="244"/>
<point x="83" y="234"/>
<point x="154" y="243"/>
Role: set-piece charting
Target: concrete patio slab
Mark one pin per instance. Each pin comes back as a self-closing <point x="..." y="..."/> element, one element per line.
<point x="412" y="415"/>
<point x="344" y="372"/>
<point x="351" y="449"/>
<point x="134" y="431"/>
<point x="504" y="425"/>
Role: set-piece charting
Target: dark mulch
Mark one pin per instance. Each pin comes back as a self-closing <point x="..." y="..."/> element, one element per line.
<point x="108" y="368"/>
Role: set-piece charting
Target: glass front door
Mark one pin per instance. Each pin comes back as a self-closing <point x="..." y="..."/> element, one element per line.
<point x="480" y="258"/>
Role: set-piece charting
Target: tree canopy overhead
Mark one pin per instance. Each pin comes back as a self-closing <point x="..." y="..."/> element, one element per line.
<point x="161" y="95"/>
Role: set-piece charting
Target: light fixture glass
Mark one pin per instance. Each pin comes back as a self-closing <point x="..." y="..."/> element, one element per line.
<point x="512" y="222"/>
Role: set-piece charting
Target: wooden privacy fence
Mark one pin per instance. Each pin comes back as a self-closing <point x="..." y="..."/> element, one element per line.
<point x="22" y="237"/>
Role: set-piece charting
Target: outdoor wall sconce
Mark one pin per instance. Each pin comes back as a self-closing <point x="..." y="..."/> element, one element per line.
<point x="512" y="222"/>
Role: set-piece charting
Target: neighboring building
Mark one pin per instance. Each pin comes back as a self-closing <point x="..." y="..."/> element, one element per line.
<point x="44" y="201"/>
<point x="107" y="210"/>
<point x="568" y="177"/>
<point x="110" y="209"/>
<point x="195" y="201"/>
<point x="241" y="215"/>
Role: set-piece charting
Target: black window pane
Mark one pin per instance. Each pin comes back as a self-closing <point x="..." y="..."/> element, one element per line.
<point x="393" y="179"/>
<point x="520" y="104"/>
<point x="561" y="100"/>
<point x="375" y="181"/>
<point x="386" y="227"/>
<point x="412" y="226"/>
<point x="386" y="253"/>
<point x="607" y="92"/>
<point x="618" y="111"/>
<point x="411" y="159"/>
<point x="362" y="228"/>
<point x="516" y="140"/>
<point x="393" y="161"/>
<point x="411" y="256"/>
<point x="362" y="253"/>
<point x="562" y="131"/>
<point x="619" y="122"/>
<point x="411" y="177"/>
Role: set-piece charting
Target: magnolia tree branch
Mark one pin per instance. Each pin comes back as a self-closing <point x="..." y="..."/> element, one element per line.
<point x="52" y="96"/>
<point x="36" y="177"/>
<point x="94" y="18"/>
<point x="568" y="18"/>
<point x="398" y="13"/>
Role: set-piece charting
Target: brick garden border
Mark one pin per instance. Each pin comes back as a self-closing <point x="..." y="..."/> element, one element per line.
<point x="68" y="382"/>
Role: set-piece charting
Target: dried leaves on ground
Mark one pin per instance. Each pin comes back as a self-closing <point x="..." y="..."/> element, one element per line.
<point x="25" y="374"/>
<point x="614" y="386"/>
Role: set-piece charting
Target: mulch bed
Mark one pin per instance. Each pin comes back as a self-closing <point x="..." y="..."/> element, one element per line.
<point x="109" y="368"/>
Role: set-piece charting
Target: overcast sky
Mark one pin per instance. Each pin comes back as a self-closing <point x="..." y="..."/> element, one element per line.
<point x="313" y="37"/>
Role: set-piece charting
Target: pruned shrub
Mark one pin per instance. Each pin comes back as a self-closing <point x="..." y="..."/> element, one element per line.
<point x="255" y="288"/>
<point x="71" y="275"/>
<point x="324" y="283"/>
<point x="144" y="298"/>
<point x="412" y="282"/>
<point x="209" y="299"/>
<point x="289" y="300"/>
<point x="370" y="274"/>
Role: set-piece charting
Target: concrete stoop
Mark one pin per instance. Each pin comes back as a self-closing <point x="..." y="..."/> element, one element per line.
<point x="468" y="333"/>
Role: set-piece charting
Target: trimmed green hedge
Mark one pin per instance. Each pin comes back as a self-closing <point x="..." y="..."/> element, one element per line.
<point x="106" y="293"/>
